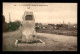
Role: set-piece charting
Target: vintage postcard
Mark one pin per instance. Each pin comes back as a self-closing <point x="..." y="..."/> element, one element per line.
<point x="39" y="26"/>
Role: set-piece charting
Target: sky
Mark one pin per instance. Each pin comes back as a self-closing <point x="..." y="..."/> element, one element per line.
<point x="43" y="12"/>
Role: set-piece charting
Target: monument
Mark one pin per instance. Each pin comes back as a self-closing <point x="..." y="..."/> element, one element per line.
<point x="28" y="31"/>
<point x="28" y="27"/>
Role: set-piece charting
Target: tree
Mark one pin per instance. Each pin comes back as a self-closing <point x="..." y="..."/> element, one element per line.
<point x="5" y="26"/>
<point x="14" y="25"/>
<point x="3" y="19"/>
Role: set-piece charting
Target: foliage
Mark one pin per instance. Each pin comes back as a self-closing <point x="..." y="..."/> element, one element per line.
<point x="5" y="26"/>
<point x="3" y="19"/>
<point x="14" y="25"/>
<point x="37" y="28"/>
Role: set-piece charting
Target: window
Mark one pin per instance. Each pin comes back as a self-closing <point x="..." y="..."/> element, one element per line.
<point x="28" y="17"/>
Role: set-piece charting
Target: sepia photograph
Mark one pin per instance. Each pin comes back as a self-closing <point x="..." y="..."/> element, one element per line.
<point x="39" y="26"/>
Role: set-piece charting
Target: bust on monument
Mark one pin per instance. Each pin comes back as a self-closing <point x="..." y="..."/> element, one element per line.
<point x="28" y="27"/>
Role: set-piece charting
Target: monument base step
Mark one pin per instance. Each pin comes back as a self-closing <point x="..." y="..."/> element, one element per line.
<point x="19" y="43"/>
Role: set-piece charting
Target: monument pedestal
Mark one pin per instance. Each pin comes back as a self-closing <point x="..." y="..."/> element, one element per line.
<point x="38" y="42"/>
